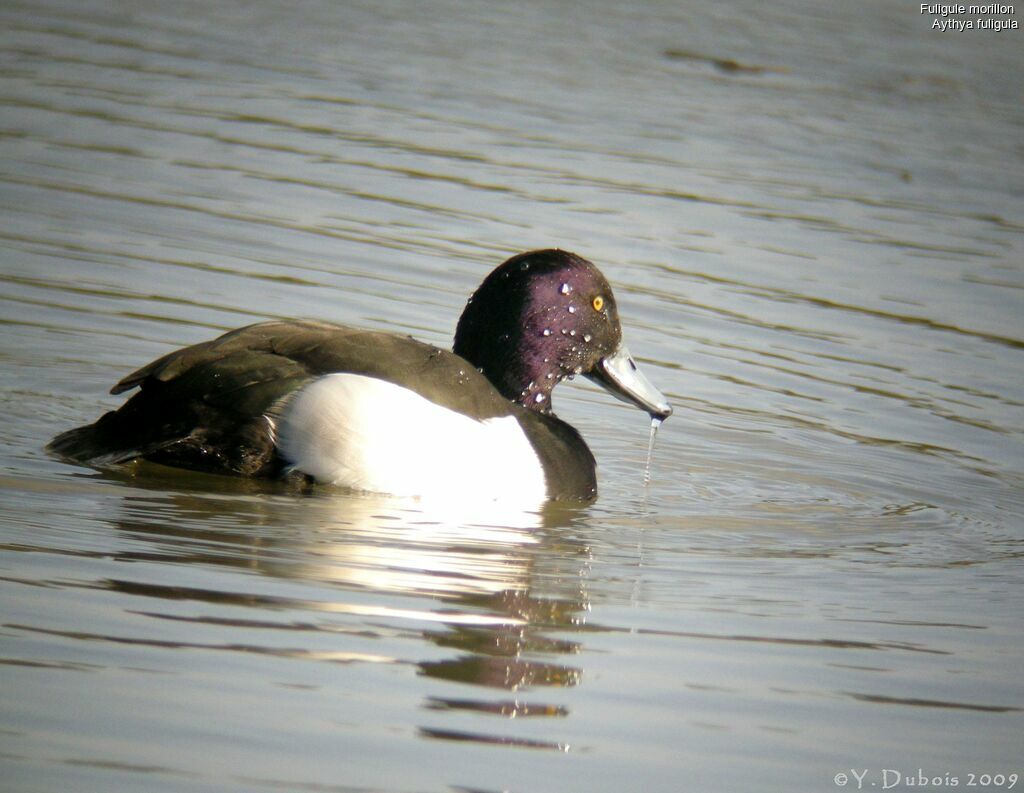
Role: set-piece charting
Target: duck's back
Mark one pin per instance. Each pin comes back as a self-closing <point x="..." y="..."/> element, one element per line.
<point x="206" y="406"/>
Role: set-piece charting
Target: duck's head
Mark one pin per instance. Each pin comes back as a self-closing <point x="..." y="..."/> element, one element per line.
<point x="544" y="316"/>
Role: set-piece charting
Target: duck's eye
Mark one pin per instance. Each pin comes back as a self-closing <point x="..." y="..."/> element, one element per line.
<point x="598" y="303"/>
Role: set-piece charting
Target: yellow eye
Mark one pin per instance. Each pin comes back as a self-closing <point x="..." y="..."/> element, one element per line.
<point x="598" y="303"/>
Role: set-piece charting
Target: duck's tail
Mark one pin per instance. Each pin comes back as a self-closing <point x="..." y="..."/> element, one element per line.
<point x="94" y="444"/>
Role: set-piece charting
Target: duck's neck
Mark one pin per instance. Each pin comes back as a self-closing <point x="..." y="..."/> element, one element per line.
<point x="522" y="375"/>
<point x="504" y="332"/>
<point x="530" y="381"/>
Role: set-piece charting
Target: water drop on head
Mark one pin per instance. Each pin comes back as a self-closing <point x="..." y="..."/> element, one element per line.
<point x="572" y="309"/>
<point x="547" y="331"/>
<point x="572" y="333"/>
<point x="538" y="398"/>
<point x="587" y="337"/>
<point x="566" y="289"/>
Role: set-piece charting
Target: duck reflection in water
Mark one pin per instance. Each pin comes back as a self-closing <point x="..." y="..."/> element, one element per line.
<point x="469" y="574"/>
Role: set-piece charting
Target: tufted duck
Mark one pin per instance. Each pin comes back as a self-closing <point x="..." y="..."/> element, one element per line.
<point x="378" y="412"/>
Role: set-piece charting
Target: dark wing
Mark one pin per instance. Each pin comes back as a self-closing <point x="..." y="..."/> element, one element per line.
<point x="204" y="406"/>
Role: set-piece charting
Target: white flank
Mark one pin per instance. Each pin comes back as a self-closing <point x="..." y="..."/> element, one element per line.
<point x="371" y="435"/>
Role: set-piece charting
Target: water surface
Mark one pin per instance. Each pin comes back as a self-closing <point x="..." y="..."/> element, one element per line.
<point x="812" y="217"/>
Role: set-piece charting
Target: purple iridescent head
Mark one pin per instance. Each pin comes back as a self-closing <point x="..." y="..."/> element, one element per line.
<point x="544" y="316"/>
